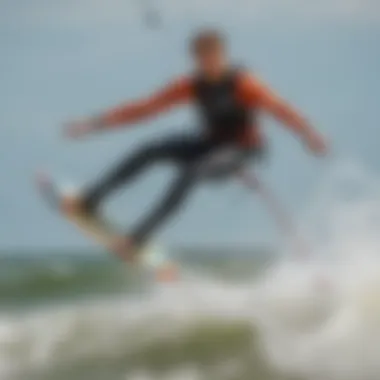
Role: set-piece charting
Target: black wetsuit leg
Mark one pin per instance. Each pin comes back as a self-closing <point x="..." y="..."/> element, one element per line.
<point x="171" y="203"/>
<point x="215" y="163"/>
<point x="196" y="158"/>
<point x="177" y="150"/>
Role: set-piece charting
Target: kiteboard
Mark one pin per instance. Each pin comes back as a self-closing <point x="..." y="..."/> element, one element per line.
<point x="100" y="231"/>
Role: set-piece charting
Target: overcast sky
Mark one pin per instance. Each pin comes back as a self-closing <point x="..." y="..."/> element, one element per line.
<point x="62" y="59"/>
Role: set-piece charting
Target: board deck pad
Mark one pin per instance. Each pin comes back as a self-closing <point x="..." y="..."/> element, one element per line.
<point x="103" y="233"/>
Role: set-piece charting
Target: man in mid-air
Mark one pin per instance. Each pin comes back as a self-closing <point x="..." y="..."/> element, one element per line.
<point x="227" y="100"/>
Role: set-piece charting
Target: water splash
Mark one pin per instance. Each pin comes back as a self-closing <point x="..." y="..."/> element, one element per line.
<point x="328" y="328"/>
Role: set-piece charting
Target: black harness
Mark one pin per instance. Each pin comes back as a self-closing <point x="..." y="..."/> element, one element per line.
<point x="223" y="116"/>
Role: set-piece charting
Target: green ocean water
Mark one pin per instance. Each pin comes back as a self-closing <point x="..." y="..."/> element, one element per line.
<point x="81" y="316"/>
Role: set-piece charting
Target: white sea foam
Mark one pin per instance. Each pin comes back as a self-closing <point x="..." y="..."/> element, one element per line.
<point x="321" y="319"/>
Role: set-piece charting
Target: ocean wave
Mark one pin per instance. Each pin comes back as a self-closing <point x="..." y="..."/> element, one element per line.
<point x="298" y="320"/>
<point x="172" y="330"/>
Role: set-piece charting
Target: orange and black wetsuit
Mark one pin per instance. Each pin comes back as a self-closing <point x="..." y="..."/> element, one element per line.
<point x="228" y="136"/>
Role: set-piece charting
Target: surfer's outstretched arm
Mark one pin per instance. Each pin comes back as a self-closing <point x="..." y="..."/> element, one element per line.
<point x="176" y="93"/>
<point x="259" y="94"/>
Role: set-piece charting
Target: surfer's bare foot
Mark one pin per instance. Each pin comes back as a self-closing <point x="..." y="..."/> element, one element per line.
<point x="168" y="273"/>
<point x="124" y="248"/>
<point x="73" y="204"/>
<point x="76" y="204"/>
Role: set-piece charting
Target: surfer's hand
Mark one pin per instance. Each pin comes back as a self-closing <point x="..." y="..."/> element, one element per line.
<point x="81" y="128"/>
<point x="316" y="143"/>
<point x="77" y="129"/>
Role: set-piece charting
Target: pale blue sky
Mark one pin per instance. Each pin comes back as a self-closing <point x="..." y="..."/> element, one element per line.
<point x="62" y="59"/>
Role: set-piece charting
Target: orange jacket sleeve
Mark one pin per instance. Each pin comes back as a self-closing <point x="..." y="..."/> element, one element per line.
<point x="257" y="94"/>
<point x="175" y="93"/>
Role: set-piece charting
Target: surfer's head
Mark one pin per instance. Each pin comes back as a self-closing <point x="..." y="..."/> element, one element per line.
<point x="208" y="47"/>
